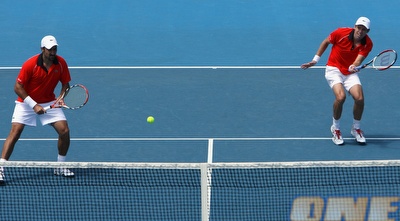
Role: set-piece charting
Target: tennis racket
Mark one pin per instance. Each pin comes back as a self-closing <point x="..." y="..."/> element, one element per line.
<point x="76" y="96"/>
<point x="382" y="61"/>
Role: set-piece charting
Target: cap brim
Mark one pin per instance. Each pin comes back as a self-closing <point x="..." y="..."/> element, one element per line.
<point x="50" y="46"/>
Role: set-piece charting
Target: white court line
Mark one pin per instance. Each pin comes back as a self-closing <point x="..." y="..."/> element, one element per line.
<point x="176" y="67"/>
<point x="190" y="139"/>
<point x="199" y="139"/>
<point x="183" y="67"/>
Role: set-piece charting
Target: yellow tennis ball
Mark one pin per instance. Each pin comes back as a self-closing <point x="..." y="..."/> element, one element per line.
<point x="150" y="119"/>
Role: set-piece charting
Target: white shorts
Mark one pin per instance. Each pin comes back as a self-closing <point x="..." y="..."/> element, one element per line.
<point x="334" y="76"/>
<point x="25" y="115"/>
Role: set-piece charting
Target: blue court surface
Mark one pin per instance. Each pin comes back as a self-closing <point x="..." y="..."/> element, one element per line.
<point x="156" y="58"/>
<point x="254" y="115"/>
<point x="286" y="109"/>
<point x="223" y="80"/>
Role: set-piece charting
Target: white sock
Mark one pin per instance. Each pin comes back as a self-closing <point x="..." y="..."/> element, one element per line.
<point x="356" y="124"/>
<point x="336" y="123"/>
<point x="61" y="158"/>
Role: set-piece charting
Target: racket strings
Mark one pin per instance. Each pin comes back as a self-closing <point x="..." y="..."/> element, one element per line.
<point x="385" y="60"/>
<point x="76" y="97"/>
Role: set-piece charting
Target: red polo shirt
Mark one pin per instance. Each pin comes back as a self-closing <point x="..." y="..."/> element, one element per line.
<point x="343" y="52"/>
<point x="40" y="83"/>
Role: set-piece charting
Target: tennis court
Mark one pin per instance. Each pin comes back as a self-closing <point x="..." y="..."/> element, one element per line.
<point x="250" y="114"/>
<point x="222" y="80"/>
<point x="258" y="114"/>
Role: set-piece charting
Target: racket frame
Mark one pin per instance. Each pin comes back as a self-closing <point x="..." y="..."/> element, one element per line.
<point x="56" y="105"/>
<point x="373" y="60"/>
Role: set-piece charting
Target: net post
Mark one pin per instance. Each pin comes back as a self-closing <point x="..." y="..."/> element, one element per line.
<point x="205" y="192"/>
<point x="210" y="150"/>
<point x="207" y="180"/>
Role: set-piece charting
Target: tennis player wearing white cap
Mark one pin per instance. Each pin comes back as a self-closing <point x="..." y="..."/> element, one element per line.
<point x="35" y="87"/>
<point x="350" y="46"/>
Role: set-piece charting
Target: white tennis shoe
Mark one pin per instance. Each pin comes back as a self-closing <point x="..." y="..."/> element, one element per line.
<point x="336" y="136"/>
<point x="2" y="177"/>
<point x="359" y="135"/>
<point x="63" y="172"/>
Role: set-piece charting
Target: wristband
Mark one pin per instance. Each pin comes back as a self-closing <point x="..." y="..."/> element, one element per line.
<point x="316" y="58"/>
<point x="30" y="102"/>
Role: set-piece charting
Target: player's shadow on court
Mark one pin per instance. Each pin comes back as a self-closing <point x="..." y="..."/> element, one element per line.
<point x="383" y="140"/>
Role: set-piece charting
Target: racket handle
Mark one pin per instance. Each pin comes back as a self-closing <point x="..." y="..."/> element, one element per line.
<point x="359" y="67"/>
<point x="47" y="108"/>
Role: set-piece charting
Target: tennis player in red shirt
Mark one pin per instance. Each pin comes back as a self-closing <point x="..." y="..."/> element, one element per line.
<point x="350" y="46"/>
<point x="35" y="87"/>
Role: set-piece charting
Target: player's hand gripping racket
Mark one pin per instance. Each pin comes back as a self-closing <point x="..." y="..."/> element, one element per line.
<point x="382" y="61"/>
<point x="76" y="96"/>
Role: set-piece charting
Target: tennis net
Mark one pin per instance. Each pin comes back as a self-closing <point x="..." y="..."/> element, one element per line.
<point x="298" y="191"/>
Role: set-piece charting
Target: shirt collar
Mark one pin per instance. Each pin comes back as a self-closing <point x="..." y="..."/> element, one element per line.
<point x="40" y="60"/>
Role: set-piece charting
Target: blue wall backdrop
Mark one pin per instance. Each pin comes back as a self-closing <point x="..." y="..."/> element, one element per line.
<point x="186" y="32"/>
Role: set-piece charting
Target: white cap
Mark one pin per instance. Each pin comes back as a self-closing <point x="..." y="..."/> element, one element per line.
<point x="48" y="41"/>
<point x="363" y="21"/>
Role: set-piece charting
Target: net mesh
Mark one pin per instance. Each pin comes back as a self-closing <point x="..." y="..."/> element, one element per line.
<point x="242" y="191"/>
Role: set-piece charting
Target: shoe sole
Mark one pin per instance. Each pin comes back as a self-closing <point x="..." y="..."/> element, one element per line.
<point x="360" y="142"/>
<point x="71" y="176"/>
<point x="56" y="174"/>
<point x="338" y="144"/>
